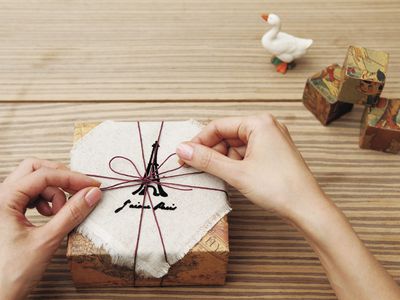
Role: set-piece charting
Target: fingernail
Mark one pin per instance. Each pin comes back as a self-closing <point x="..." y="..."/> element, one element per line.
<point x="93" y="196"/>
<point x="185" y="151"/>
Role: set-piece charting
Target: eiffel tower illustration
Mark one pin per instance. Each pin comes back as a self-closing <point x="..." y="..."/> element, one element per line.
<point x="152" y="168"/>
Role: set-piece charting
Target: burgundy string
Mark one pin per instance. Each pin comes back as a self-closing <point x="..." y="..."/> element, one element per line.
<point x="133" y="180"/>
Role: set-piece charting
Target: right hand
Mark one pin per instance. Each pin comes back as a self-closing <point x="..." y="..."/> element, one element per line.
<point x="257" y="156"/>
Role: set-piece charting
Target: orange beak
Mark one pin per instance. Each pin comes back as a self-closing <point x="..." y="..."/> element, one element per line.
<point x="265" y="17"/>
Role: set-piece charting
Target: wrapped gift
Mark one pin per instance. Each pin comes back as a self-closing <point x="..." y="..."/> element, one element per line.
<point x="380" y="126"/>
<point x="320" y="95"/>
<point x="363" y="75"/>
<point x="158" y="223"/>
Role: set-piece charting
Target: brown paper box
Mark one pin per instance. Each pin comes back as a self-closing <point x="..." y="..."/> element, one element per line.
<point x="363" y="75"/>
<point x="320" y="95"/>
<point x="380" y="126"/>
<point x="205" y="264"/>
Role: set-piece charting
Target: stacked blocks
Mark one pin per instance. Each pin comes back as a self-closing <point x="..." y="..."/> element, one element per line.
<point x="320" y="95"/>
<point x="380" y="126"/>
<point x="363" y="76"/>
<point x="332" y="93"/>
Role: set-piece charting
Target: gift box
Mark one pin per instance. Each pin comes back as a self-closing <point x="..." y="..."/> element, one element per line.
<point x="320" y="95"/>
<point x="153" y="241"/>
<point x="380" y="126"/>
<point x="363" y="75"/>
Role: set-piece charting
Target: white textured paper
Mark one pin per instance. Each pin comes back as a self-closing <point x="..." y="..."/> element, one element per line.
<point x="196" y="213"/>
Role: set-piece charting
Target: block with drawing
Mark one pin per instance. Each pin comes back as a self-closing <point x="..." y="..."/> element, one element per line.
<point x="380" y="126"/>
<point x="363" y="75"/>
<point x="320" y="95"/>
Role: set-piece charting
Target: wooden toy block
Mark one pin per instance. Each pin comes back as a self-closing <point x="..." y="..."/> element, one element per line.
<point x="363" y="76"/>
<point x="380" y="126"/>
<point x="320" y="95"/>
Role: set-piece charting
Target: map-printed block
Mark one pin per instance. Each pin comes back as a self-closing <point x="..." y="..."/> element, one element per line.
<point x="363" y="76"/>
<point x="380" y="126"/>
<point x="320" y="95"/>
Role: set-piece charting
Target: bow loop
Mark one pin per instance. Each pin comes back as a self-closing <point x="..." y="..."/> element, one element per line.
<point x="119" y="157"/>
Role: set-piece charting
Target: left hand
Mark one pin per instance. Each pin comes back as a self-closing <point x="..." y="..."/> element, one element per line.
<point x="25" y="249"/>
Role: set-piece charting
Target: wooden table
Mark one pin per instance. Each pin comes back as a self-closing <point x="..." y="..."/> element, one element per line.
<point x="66" y="61"/>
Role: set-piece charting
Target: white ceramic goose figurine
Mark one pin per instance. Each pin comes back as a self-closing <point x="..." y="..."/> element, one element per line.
<point x="284" y="47"/>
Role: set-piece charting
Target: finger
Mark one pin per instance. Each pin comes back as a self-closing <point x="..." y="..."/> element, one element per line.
<point x="222" y="129"/>
<point x="181" y="162"/>
<point x="44" y="208"/>
<point x="233" y="154"/>
<point x="241" y="150"/>
<point x="77" y="208"/>
<point x="30" y="165"/>
<point x="56" y="196"/>
<point x="58" y="202"/>
<point x="31" y="185"/>
<point x="221" y="147"/>
<point x="50" y="194"/>
<point x="208" y="160"/>
<point x="234" y="142"/>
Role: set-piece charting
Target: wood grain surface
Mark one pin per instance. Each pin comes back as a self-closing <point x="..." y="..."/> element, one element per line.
<point x="77" y="60"/>
<point x="76" y="50"/>
<point x="269" y="259"/>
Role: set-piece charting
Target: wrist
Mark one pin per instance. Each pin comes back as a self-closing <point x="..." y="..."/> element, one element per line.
<point x="10" y="293"/>
<point x="11" y="288"/>
<point x="321" y="222"/>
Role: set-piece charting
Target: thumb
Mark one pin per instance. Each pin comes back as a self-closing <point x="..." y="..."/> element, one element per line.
<point x="208" y="160"/>
<point x="77" y="208"/>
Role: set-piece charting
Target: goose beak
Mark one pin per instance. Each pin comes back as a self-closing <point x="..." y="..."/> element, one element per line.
<point x="265" y="17"/>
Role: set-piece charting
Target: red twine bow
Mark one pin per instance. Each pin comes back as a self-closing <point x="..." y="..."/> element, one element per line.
<point x="151" y="176"/>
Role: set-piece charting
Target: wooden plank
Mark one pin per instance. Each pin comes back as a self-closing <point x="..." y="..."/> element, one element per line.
<point x="269" y="259"/>
<point x="178" y="49"/>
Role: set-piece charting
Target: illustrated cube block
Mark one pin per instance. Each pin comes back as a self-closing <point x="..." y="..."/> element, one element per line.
<point x="363" y="76"/>
<point x="380" y="127"/>
<point x="320" y="95"/>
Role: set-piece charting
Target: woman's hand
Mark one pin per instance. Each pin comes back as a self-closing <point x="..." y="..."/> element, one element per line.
<point x="26" y="250"/>
<point x="257" y="156"/>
